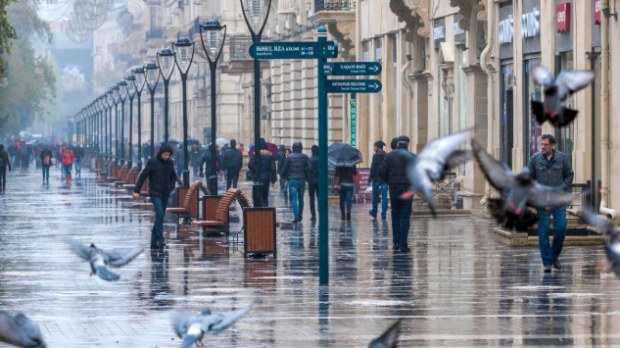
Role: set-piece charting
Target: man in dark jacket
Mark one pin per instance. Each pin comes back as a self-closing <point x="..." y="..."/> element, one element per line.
<point x="550" y="167"/>
<point x="295" y="171"/>
<point x="209" y="172"/>
<point x="378" y="185"/>
<point x="5" y="162"/>
<point x="162" y="176"/>
<point x="46" y="163"/>
<point x="313" y="180"/>
<point x="195" y="158"/>
<point x="393" y="171"/>
<point x="264" y="174"/>
<point x="232" y="161"/>
<point x="79" y="155"/>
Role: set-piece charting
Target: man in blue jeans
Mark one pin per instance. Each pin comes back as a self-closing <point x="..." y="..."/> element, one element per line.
<point x="295" y="171"/>
<point x="552" y="168"/>
<point x="162" y="176"/>
<point x="379" y="187"/>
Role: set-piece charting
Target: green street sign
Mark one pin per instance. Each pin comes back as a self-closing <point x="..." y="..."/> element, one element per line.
<point x="352" y="68"/>
<point x="293" y="50"/>
<point x="353" y="86"/>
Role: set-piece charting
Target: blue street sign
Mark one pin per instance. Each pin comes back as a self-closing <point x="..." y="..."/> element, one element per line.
<point x="293" y="50"/>
<point x="352" y="68"/>
<point x="353" y="86"/>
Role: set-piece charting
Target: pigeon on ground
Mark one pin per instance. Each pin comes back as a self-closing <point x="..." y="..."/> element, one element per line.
<point x="389" y="339"/>
<point x="20" y="331"/>
<point x="100" y="259"/>
<point x="519" y="192"/>
<point x="612" y="238"/>
<point x="437" y="157"/>
<point x="191" y="326"/>
<point x="556" y="90"/>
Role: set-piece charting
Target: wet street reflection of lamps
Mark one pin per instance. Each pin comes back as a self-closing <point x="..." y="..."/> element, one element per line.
<point x="122" y="96"/>
<point x="255" y="14"/>
<point x="152" y="79"/>
<point x="131" y="93"/>
<point x="165" y="60"/>
<point x="184" y="55"/>
<point x="216" y="36"/>
<point x="139" y="80"/>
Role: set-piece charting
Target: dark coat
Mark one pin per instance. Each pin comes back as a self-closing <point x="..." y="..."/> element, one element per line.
<point x="266" y="171"/>
<point x="557" y="172"/>
<point x="4" y="160"/>
<point x="232" y="160"/>
<point x="45" y="153"/>
<point x="377" y="158"/>
<point x="162" y="177"/>
<point x="393" y="169"/>
<point x="345" y="174"/>
<point x="296" y="165"/>
<point x="206" y="164"/>
<point x="313" y="169"/>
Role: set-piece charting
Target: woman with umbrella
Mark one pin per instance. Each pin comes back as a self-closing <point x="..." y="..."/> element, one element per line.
<point x="344" y="157"/>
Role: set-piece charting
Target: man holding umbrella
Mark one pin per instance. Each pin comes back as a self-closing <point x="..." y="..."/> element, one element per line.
<point x="344" y="157"/>
<point x="263" y="172"/>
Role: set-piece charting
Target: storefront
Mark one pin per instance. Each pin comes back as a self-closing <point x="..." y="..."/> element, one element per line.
<point x="506" y="37"/>
<point x="530" y="35"/>
<point x="564" y="61"/>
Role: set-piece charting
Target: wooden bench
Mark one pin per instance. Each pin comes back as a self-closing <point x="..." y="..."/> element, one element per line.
<point x="98" y="167"/>
<point x="132" y="179"/>
<point x="219" y="222"/>
<point x="259" y="237"/>
<point x="125" y="179"/>
<point x="191" y="196"/>
<point x="116" y="172"/>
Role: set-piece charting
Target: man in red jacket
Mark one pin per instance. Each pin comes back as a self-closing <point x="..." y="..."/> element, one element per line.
<point x="67" y="162"/>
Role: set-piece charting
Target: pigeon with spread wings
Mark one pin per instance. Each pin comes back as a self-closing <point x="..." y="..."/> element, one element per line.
<point x="100" y="259"/>
<point x="612" y="238"/>
<point x="20" y="331"/>
<point x="191" y="326"/>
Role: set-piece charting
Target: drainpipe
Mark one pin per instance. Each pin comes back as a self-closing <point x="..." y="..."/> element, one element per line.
<point x="605" y="112"/>
<point x="404" y="73"/>
<point x="488" y="66"/>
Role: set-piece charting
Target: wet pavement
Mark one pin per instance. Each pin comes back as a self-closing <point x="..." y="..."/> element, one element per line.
<point x="458" y="287"/>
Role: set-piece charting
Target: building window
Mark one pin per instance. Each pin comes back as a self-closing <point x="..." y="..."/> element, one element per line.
<point x="393" y="38"/>
<point x="378" y="50"/>
<point x="153" y="17"/>
<point x="533" y="130"/>
<point x="565" y="136"/>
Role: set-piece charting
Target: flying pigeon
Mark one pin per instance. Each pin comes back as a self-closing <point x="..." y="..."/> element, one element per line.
<point x="556" y="90"/>
<point x="389" y="339"/>
<point x="191" y="326"/>
<point x="518" y="192"/>
<point x="100" y="259"/>
<point x="20" y="331"/>
<point x="437" y="157"/>
<point x="612" y="237"/>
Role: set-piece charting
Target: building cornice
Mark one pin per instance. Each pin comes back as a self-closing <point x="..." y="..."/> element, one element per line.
<point x="415" y="14"/>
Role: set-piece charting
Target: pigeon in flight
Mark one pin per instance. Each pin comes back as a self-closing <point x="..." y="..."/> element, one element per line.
<point x="518" y="192"/>
<point x="389" y="339"/>
<point x="431" y="165"/>
<point x="612" y="237"/>
<point x="100" y="259"/>
<point x="191" y="326"/>
<point x="556" y="90"/>
<point x="20" y="331"/>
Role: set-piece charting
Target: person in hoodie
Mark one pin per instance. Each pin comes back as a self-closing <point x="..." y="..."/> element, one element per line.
<point x="313" y="180"/>
<point x="264" y="173"/>
<point x="378" y="185"/>
<point x="207" y="163"/>
<point x="232" y="161"/>
<point x="295" y="171"/>
<point x="5" y="163"/>
<point x="162" y="176"/>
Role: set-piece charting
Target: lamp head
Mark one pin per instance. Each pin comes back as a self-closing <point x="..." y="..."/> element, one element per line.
<point x="165" y="58"/>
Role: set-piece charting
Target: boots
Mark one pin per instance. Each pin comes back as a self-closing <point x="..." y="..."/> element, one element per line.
<point x="342" y="216"/>
<point x="349" y="216"/>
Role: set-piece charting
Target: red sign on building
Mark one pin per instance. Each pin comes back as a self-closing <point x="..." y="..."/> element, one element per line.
<point x="597" y="11"/>
<point x="563" y="17"/>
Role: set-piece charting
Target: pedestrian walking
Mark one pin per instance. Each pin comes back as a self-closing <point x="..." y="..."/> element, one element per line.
<point x="68" y="156"/>
<point x="232" y="162"/>
<point x="283" y="152"/>
<point x="5" y="163"/>
<point x="393" y="171"/>
<point x="344" y="180"/>
<point x="195" y="158"/>
<point x="46" y="162"/>
<point x="313" y="180"/>
<point x="295" y="171"/>
<point x="79" y="156"/>
<point x="551" y="168"/>
<point x="264" y="174"/>
<point x="379" y="187"/>
<point x="207" y="164"/>
<point x="162" y="177"/>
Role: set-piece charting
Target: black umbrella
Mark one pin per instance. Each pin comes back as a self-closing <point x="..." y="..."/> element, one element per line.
<point x="343" y="155"/>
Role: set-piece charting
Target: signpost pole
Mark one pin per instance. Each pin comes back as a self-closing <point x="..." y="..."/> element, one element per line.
<point x="323" y="199"/>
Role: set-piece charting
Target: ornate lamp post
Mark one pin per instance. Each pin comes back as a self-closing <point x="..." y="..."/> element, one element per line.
<point x="184" y="55"/>
<point x="115" y="100"/>
<point x="139" y="80"/>
<point x="122" y="96"/>
<point x="152" y="78"/>
<point x="255" y="14"/>
<point x="131" y="93"/>
<point x="213" y="50"/>
<point x="110" y="100"/>
<point x="165" y="60"/>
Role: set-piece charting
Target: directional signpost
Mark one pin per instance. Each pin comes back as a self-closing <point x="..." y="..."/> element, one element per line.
<point x="323" y="50"/>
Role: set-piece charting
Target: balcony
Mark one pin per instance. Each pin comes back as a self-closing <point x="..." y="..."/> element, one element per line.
<point x="155" y="33"/>
<point x="334" y="5"/>
<point x="239" y="51"/>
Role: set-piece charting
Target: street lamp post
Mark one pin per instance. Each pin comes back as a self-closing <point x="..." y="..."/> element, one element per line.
<point x="213" y="51"/>
<point x="122" y="96"/>
<point x="110" y="100"/>
<point x="139" y="80"/>
<point x="152" y="78"/>
<point x="131" y="93"/>
<point x="253" y="11"/>
<point x="184" y="55"/>
<point x="115" y="100"/>
<point x="165" y="60"/>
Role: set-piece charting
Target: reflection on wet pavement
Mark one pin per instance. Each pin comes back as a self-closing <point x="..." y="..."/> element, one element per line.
<point x="458" y="286"/>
